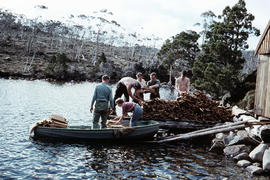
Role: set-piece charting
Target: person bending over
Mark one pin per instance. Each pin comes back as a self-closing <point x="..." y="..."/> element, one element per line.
<point x="129" y="107"/>
<point x="124" y="86"/>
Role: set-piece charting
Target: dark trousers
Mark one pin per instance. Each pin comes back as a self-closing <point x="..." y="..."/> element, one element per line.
<point x="101" y="110"/>
<point x="120" y="90"/>
<point x="141" y="96"/>
<point x="154" y="95"/>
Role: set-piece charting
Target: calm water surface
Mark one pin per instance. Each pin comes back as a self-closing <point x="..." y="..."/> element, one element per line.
<point x="25" y="102"/>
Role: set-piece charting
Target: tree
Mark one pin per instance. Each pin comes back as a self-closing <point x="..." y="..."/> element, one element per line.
<point x="102" y="58"/>
<point x="58" y="66"/>
<point x="217" y="69"/>
<point x="207" y="20"/>
<point x="181" y="49"/>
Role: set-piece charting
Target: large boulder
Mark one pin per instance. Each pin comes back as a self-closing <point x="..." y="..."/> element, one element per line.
<point x="236" y="111"/>
<point x="242" y="137"/>
<point x="236" y="149"/>
<point x="265" y="133"/>
<point x="217" y="146"/>
<point x="254" y="170"/>
<point x="228" y="138"/>
<point x="257" y="153"/>
<point x="242" y="156"/>
<point x="243" y="163"/>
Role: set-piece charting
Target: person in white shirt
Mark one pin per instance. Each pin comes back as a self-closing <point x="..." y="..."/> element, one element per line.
<point x="143" y="86"/>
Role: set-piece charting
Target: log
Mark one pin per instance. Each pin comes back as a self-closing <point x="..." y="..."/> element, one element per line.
<point x="204" y="133"/>
<point x="213" y="130"/>
<point x="183" y="125"/>
<point x="219" y="127"/>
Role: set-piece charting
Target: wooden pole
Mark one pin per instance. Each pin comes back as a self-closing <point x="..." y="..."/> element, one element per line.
<point x="195" y="134"/>
<point x="213" y="130"/>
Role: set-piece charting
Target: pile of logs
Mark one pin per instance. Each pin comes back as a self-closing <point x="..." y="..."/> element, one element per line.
<point x="54" y="121"/>
<point x="196" y="107"/>
<point x="58" y="121"/>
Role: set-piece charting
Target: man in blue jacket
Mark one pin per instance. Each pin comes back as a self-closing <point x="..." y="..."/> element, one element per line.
<point x="102" y="97"/>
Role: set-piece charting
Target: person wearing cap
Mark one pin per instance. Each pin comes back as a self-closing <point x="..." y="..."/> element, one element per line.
<point x="182" y="83"/>
<point x="102" y="96"/>
<point x="124" y="86"/>
<point x="153" y="86"/>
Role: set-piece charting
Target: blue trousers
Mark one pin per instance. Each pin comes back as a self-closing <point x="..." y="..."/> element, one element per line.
<point x="137" y="113"/>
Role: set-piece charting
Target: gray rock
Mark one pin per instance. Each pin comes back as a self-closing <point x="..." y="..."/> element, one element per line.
<point x="235" y="119"/>
<point x="217" y="146"/>
<point x="236" y="111"/>
<point x="242" y="137"/>
<point x="227" y="139"/>
<point x="254" y="170"/>
<point x="220" y="136"/>
<point x="236" y="149"/>
<point x="243" y="163"/>
<point x="265" y="133"/>
<point x="242" y="156"/>
<point x="257" y="164"/>
<point x="257" y="153"/>
<point x="247" y="118"/>
<point x="7" y="59"/>
<point x="266" y="160"/>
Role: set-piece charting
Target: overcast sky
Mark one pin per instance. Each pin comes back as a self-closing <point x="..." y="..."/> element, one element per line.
<point x="163" y="18"/>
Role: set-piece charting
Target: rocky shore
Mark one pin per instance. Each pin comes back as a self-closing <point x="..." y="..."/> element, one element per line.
<point x="249" y="147"/>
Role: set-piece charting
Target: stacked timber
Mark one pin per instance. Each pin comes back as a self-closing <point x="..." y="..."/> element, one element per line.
<point x="197" y="107"/>
<point x="53" y="121"/>
<point x="58" y="121"/>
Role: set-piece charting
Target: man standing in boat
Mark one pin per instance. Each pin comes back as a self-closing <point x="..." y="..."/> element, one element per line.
<point x="124" y="86"/>
<point x="153" y="86"/>
<point x="102" y="97"/>
<point x="182" y="83"/>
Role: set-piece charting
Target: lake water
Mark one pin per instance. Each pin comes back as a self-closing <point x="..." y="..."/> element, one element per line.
<point x="25" y="102"/>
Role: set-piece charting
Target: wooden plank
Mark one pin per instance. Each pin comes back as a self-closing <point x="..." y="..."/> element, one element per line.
<point x="263" y="67"/>
<point x="258" y="92"/>
<point x="265" y="83"/>
<point x="256" y="101"/>
<point x="267" y="98"/>
<point x="58" y="118"/>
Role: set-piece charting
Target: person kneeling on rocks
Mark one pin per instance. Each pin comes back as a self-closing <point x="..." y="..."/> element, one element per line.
<point x="129" y="107"/>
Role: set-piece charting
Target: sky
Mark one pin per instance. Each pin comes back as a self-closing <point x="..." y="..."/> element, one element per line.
<point x="162" y="18"/>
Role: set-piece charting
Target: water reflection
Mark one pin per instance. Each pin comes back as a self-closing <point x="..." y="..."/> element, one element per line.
<point x="25" y="102"/>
